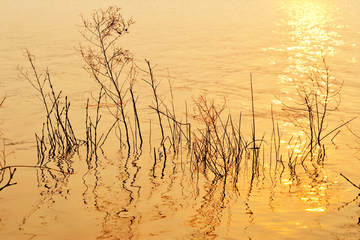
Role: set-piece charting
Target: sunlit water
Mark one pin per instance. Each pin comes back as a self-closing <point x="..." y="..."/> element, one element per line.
<point x="201" y="46"/>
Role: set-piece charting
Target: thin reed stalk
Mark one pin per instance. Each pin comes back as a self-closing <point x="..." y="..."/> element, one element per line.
<point x="153" y="84"/>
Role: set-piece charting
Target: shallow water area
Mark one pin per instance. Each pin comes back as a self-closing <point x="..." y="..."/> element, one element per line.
<point x="194" y="47"/>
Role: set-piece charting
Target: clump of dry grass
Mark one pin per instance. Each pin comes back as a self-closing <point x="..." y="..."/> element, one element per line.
<point x="57" y="137"/>
<point x="219" y="147"/>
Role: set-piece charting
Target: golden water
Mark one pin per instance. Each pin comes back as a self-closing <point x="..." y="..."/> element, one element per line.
<point x="205" y="46"/>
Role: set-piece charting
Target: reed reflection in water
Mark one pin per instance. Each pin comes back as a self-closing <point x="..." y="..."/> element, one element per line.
<point x="128" y="202"/>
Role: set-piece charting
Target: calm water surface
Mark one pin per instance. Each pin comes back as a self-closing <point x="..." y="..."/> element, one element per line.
<point x="201" y="46"/>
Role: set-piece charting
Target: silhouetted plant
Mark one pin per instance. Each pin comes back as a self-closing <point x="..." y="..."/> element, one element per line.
<point x="316" y="97"/>
<point x="6" y="180"/>
<point x="4" y="168"/>
<point x="93" y="141"/>
<point x="57" y="132"/>
<point x="105" y="61"/>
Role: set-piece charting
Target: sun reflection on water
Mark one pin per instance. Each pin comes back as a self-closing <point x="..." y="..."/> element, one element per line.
<point x="311" y="28"/>
<point x="310" y="33"/>
<point x="310" y="38"/>
<point x="311" y="188"/>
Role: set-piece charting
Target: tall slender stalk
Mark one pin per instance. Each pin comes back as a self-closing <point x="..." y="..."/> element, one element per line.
<point x="156" y="107"/>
